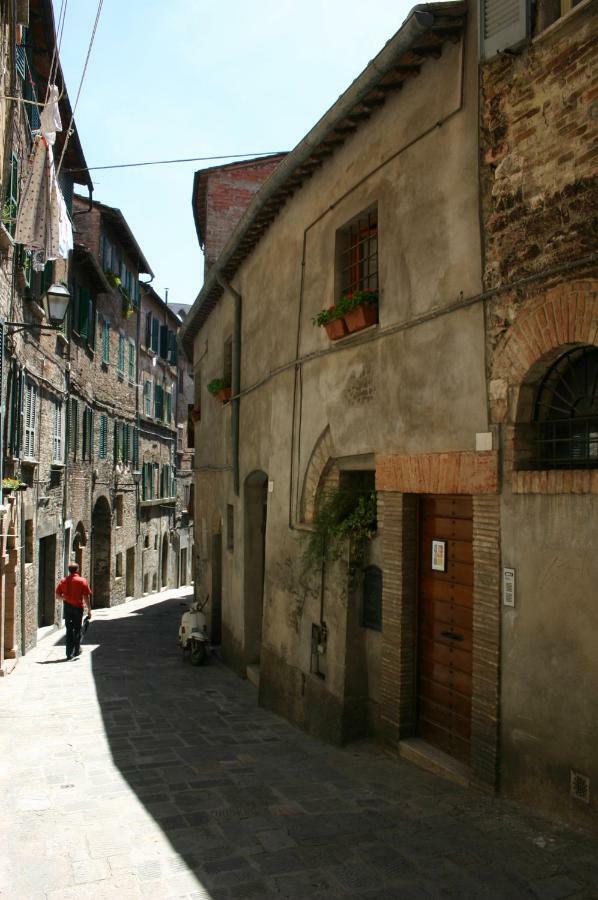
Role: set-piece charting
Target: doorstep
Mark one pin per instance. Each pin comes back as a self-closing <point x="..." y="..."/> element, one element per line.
<point x="433" y="760"/>
<point x="253" y="675"/>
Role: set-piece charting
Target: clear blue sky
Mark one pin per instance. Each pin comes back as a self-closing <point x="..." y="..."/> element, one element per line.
<point x="199" y="78"/>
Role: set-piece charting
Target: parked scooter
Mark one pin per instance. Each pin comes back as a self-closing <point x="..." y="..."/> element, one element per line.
<point x="193" y="633"/>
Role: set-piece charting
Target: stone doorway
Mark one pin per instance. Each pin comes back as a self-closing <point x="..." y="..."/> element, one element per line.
<point x="256" y="508"/>
<point x="46" y="581"/>
<point x="101" y="527"/>
<point x="445" y="632"/>
<point x="130" y="562"/>
<point x="216" y="621"/>
<point x="164" y="582"/>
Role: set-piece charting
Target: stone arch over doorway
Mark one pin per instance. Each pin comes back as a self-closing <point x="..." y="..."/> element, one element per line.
<point x="320" y="461"/>
<point x="78" y="545"/>
<point x="164" y="557"/>
<point x="255" y="495"/>
<point x="101" y="556"/>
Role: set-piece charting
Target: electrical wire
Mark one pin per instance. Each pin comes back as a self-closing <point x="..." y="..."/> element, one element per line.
<point x="83" y="74"/>
<point x="167" y="162"/>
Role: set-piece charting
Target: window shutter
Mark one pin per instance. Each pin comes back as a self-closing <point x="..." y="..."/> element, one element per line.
<point x="155" y="335"/>
<point x="148" y="330"/>
<point x="106" y="342"/>
<point x="164" y="341"/>
<point x="121" y="353"/>
<point x="503" y="24"/>
<point x="131" y="361"/>
<point x="84" y="304"/>
<point x="135" y="449"/>
<point x="172" y="349"/>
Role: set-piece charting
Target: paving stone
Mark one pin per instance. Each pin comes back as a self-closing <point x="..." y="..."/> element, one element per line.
<point x="554" y="888"/>
<point x="236" y="803"/>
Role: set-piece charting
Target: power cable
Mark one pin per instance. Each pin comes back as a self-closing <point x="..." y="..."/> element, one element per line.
<point x="166" y="162"/>
<point x="69" y="130"/>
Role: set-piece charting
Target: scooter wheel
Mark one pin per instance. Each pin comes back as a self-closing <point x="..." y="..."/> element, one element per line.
<point x="198" y="653"/>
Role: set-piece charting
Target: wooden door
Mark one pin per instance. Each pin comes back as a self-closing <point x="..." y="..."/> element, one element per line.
<point x="445" y="623"/>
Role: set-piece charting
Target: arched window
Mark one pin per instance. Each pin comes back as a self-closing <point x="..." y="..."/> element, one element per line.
<point x="566" y="412"/>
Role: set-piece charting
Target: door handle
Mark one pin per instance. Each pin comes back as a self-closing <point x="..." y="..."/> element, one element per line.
<point x="451" y="635"/>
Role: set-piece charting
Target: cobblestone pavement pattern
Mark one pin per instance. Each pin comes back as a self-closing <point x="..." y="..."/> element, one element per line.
<point x="129" y="774"/>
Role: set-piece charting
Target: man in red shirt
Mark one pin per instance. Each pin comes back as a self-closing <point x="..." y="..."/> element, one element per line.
<point x="75" y="592"/>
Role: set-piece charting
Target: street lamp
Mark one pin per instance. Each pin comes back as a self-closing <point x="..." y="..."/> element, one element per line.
<point x="137" y="477"/>
<point x="56" y="302"/>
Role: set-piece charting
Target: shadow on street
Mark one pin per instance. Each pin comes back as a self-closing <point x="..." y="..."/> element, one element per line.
<point x="257" y="809"/>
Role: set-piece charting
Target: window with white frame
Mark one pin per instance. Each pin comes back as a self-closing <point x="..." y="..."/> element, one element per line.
<point x="30" y="400"/>
<point x="58" y="433"/>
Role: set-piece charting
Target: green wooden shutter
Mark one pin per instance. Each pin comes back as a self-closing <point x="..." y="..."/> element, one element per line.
<point x="131" y="361"/>
<point x="121" y="354"/>
<point x="106" y="342"/>
<point x="155" y="335"/>
<point x="164" y="341"/>
<point x="148" y="330"/>
<point x="135" y="449"/>
<point x="172" y="348"/>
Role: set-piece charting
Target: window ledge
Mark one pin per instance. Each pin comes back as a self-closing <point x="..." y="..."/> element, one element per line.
<point x="6" y="239"/>
<point x="561" y="22"/>
<point x="555" y="481"/>
<point x="354" y="335"/>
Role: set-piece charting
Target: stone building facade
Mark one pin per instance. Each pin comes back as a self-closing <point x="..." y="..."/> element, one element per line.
<point x="36" y="526"/>
<point x="71" y="426"/>
<point x="165" y="459"/>
<point x="462" y="204"/>
<point x="539" y="126"/>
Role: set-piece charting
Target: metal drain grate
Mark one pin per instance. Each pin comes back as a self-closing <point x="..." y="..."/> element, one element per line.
<point x="580" y="787"/>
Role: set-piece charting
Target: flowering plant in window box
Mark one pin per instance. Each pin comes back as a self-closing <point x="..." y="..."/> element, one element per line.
<point x="220" y="388"/>
<point x="12" y="484"/>
<point x="360" y="309"/>
<point x="332" y="320"/>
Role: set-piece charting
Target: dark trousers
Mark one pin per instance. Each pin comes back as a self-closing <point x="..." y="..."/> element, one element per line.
<point x="73" y="616"/>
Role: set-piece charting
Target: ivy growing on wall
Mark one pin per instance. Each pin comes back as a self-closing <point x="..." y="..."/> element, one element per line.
<point x="344" y="515"/>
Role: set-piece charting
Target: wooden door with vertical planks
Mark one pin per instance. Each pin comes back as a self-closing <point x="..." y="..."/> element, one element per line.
<point x="445" y="611"/>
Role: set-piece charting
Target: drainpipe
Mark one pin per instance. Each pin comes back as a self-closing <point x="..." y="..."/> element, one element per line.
<point x="236" y="377"/>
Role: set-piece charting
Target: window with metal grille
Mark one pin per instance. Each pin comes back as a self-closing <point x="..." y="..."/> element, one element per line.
<point x="57" y="433"/>
<point x="357" y="249"/>
<point x="564" y="430"/>
<point x="372" y="598"/>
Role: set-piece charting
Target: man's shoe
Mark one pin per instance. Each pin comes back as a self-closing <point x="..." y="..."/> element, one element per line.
<point x="77" y="653"/>
<point x="69" y="656"/>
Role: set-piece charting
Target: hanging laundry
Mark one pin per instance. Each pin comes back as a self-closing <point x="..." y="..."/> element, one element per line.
<point x="43" y="225"/>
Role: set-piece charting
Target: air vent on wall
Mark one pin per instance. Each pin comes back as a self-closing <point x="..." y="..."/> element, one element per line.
<point x="580" y="787"/>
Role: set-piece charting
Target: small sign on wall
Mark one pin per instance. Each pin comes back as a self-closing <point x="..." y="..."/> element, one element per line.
<point x="508" y="587"/>
<point x="439" y="556"/>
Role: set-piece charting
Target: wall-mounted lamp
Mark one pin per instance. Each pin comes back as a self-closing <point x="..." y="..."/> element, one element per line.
<point x="56" y="303"/>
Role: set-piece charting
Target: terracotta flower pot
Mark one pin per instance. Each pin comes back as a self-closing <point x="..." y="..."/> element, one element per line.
<point x="361" y="316"/>
<point x="335" y="329"/>
<point x="223" y="395"/>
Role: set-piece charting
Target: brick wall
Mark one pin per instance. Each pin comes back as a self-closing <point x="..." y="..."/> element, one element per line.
<point x="223" y="195"/>
<point x="539" y="123"/>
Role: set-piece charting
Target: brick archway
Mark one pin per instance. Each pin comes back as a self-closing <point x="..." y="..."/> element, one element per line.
<point x="560" y="318"/>
<point x="320" y="460"/>
<point x="556" y="321"/>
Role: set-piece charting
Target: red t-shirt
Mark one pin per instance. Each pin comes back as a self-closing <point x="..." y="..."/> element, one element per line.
<point x="72" y="589"/>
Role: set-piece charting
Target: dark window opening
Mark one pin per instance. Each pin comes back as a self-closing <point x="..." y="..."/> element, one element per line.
<point x="230" y="527"/>
<point x="372" y="598"/>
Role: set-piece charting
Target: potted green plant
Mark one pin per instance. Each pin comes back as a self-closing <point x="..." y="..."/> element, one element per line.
<point x="12" y="484"/>
<point x="332" y="320"/>
<point x="220" y="388"/>
<point x="361" y="310"/>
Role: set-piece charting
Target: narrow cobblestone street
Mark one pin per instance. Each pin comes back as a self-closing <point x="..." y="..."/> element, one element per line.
<point x="129" y="774"/>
